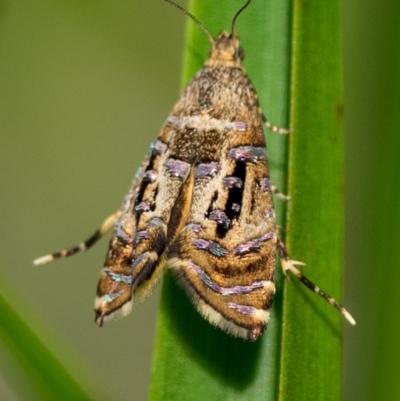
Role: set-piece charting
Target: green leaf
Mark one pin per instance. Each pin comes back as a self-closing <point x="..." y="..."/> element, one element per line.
<point x="299" y="356"/>
<point x="311" y="334"/>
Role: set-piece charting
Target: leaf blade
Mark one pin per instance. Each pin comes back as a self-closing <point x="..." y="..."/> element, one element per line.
<point x="315" y="217"/>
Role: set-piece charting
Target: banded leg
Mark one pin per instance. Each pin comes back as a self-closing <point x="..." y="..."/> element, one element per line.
<point x="289" y="265"/>
<point x="274" y="128"/>
<point x="278" y="193"/>
<point x="83" y="246"/>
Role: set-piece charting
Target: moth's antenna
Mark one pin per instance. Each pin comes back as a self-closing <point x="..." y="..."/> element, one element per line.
<point x="197" y="22"/>
<point x="237" y="15"/>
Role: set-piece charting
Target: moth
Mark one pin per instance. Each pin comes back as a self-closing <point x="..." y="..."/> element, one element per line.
<point x="201" y="206"/>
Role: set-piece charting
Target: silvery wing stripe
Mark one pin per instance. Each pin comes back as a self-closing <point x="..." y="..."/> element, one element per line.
<point x="141" y="235"/>
<point x="213" y="247"/>
<point x="121" y="234"/>
<point x="247" y="154"/>
<point x="118" y="278"/>
<point x="150" y="176"/>
<point x="143" y="206"/>
<point x="253" y="245"/>
<point x="247" y="310"/>
<point x="155" y="221"/>
<point x="108" y="298"/>
<point x="207" y="169"/>
<point x="241" y="126"/>
<point x="220" y="217"/>
<point x="232" y="182"/>
<point x="139" y="259"/>
<point x="194" y="227"/>
<point x="177" y="168"/>
<point x="236" y="290"/>
<point x="158" y="147"/>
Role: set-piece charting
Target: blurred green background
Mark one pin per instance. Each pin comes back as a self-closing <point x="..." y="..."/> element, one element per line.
<point x="84" y="88"/>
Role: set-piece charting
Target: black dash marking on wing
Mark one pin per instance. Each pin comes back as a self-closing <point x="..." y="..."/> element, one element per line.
<point x="235" y="196"/>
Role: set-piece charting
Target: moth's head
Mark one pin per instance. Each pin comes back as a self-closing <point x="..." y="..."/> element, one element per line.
<point x="226" y="50"/>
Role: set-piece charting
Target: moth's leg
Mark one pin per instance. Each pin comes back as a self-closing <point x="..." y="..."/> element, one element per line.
<point x="278" y="193"/>
<point x="275" y="128"/>
<point x="268" y="185"/>
<point x="289" y="265"/>
<point x="83" y="246"/>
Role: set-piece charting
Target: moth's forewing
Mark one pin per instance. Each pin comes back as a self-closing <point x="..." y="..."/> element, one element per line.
<point x="151" y="215"/>
<point x="115" y="287"/>
<point x="225" y="255"/>
<point x="202" y="205"/>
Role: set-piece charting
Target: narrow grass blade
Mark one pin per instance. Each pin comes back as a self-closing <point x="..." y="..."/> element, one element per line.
<point x="311" y="331"/>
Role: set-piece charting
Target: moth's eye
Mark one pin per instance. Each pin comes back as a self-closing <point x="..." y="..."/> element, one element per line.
<point x="240" y="53"/>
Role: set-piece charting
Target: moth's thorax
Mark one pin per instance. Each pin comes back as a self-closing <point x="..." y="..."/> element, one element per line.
<point x="226" y="50"/>
<point x="221" y="93"/>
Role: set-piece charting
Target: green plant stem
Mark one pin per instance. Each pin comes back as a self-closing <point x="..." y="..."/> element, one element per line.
<point x="311" y="333"/>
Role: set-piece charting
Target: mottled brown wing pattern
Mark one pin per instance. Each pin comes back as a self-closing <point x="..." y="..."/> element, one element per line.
<point x="206" y="210"/>
<point x="224" y="256"/>
<point x="150" y="218"/>
<point x="134" y="261"/>
<point x="114" y="290"/>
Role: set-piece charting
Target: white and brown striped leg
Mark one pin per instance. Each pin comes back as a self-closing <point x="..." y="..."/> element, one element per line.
<point x="280" y="195"/>
<point x="274" y="128"/>
<point x="83" y="246"/>
<point x="267" y="185"/>
<point x="289" y="265"/>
